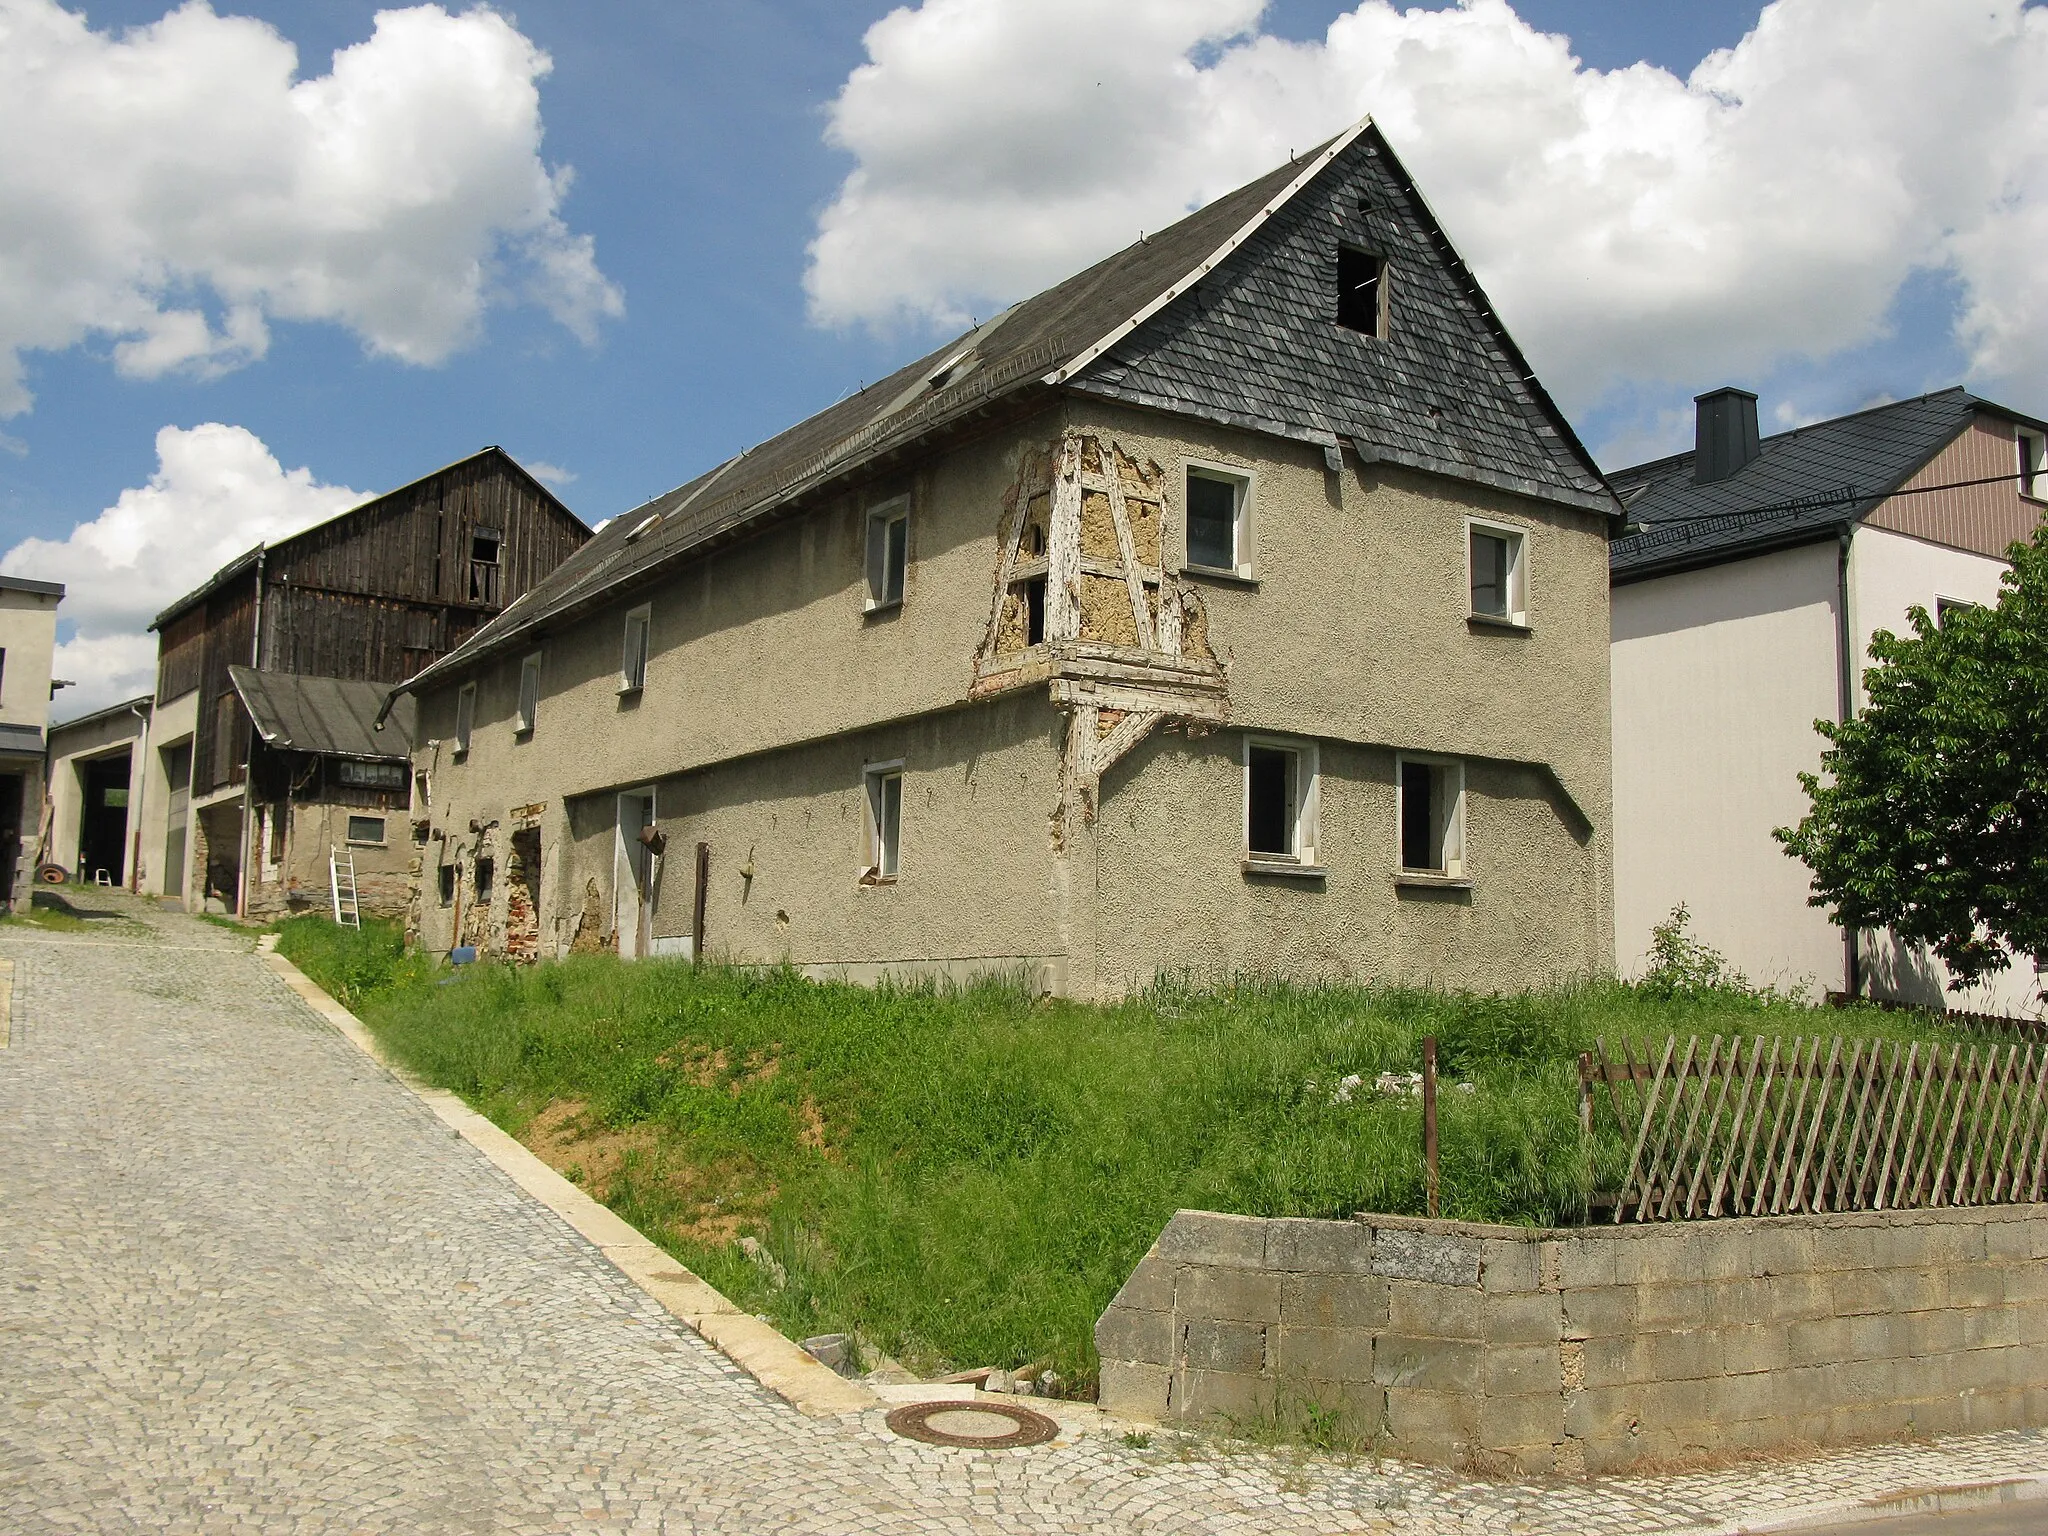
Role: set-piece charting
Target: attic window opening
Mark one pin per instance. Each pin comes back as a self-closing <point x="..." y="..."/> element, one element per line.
<point x="1031" y="594"/>
<point x="486" y="547"/>
<point x="1361" y="291"/>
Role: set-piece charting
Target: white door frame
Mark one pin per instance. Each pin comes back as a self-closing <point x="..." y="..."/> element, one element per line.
<point x="633" y="875"/>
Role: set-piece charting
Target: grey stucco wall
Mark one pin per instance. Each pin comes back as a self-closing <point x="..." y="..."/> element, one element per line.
<point x="1595" y="1349"/>
<point x="769" y="688"/>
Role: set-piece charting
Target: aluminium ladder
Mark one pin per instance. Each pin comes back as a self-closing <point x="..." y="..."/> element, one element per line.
<point x="341" y="883"/>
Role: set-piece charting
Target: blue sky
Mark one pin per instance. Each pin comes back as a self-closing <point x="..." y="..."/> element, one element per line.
<point x="697" y="134"/>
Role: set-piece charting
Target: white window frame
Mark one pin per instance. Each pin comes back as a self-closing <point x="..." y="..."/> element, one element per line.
<point x="2033" y="469"/>
<point x="465" y="718"/>
<point x="528" y="712"/>
<point x="1308" y="805"/>
<point x="881" y="864"/>
<point x="1246" y="483"/>
<point x="383" y="840"/>
<point x="1450" y="829"/>
<point x="1517" y="535"/>
<point x="876" y="573"/>
<point x="632" y="666"/>
<point x="1944" y="605"/>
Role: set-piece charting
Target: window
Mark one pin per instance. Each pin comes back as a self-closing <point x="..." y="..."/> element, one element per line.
<point x="486" y="551"/>
<point x="366" y="829"/>
<point x="1279" y="802"/>
<point x="448" y="874"/>
<point x="2033" y="447"/>
<point x="888" y="553"/>
<point x="372" y="775"/>
<point x="1947" y="607"/>
<point x="486" y="873"/>
<point x="1361" y="291"/>
<point x="3" y="673"/>
<point x="1219" y="522"/>
<point x="884" y="821"/>
<point x="1032" y="594"/>
<point x="633" y="652"/>
<point x="1495" y="568"/>
<point x="465" y="718"/>
<point x="529" y="695"/>
<point x="1430" y="796"/>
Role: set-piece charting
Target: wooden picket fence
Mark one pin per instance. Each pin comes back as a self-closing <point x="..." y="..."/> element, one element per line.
<point x="1762" y="1126"/>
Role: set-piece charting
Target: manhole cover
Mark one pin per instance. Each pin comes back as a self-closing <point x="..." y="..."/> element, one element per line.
<point x="991" y="1426"/>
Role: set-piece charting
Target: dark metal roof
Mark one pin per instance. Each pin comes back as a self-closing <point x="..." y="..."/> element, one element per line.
<point x="1087" y="333"/>
<point x="330" y="716"/>
<point x="247" y="558"/>
<point x="25" y="584"/>
<point x="21" y="738"/>
<point x="1804" y="485"/>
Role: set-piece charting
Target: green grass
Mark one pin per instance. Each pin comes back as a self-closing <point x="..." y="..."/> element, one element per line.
<point x="993" y="1166"/>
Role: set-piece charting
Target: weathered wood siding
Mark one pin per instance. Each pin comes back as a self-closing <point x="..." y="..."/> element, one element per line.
<point x="221" y="742"/>
<point x="1986" y="519"/>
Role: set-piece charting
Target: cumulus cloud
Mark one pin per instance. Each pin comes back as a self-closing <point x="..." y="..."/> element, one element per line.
<point x="217" y="492"/>
<point x="176" y="188"/>
<point x="1631" y="225"/>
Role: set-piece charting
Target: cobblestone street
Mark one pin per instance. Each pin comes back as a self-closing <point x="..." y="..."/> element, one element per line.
<point x="252" y="1283"/>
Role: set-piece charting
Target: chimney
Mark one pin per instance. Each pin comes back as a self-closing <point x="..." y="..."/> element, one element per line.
<point x="1725" y="435"/>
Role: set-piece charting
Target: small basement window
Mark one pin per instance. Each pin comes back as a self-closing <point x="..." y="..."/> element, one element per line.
<point x="1218" y="520"/>
<point x="2033" y="451"/>
<point x="1430" y="796"/>
<point x="529" y="695"/>
<point x="1361" y="291"/>
<point x="1280" y="801"/>
<point x="633" y="652"/>
<point x="465" y="718"/>
<point x="884" y="821"/>
<point x="486" y="873"/>
<point x="1495" y="567"/>
<point x="888" y="553"/>
<point x="449" y="873"/>
<point x="367" y="830"/>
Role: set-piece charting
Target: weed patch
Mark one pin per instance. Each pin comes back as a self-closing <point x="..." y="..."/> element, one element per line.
<point x="965" y="1176"/>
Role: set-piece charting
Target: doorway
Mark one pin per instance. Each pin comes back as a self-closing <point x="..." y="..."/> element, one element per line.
<point x="103" y="819"/>
<point x="177" y="762"/>
<point x="634" y="872"/>
<point x="12" y="787"/>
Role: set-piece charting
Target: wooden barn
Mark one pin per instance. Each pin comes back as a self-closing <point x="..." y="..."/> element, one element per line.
<point x="372" y="596"/>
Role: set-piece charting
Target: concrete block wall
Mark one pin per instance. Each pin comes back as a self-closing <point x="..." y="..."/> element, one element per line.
<point x="1590" y="1350"/>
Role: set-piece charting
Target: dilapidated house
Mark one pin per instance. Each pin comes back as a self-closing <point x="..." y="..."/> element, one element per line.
<point x="372" y="596"/>
<point x="1239" y="603"/>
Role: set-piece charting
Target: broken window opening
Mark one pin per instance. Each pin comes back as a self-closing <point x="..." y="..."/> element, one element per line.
<point x="529" y="694"/>
<point x="1216" y="516"/>
<point x="888" y="553"/>
<point x="1280" y="783"/>
<point x="465" y="718"/>
<point x="1431" y="815"/>
<point x="884" y="821"/>
<point x="1032" y="593"/>
<point x="1361" y="291"/>
<point x="486" y="872"/>
<point x="448" y="874"/>
<point x="486" y="547"/>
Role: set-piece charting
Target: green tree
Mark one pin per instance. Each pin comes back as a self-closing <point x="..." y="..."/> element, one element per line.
<point x="1930" y="816"/>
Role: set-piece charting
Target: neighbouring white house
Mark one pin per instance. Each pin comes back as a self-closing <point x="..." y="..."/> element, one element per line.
<point x="1753" y="573"/>
<point x="28" y="642"/>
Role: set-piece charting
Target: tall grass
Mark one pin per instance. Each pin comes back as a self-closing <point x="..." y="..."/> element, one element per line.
<point x="992" y="1166"/>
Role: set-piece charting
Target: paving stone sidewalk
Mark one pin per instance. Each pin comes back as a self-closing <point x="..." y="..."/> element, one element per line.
<point x="248" y="1282"/>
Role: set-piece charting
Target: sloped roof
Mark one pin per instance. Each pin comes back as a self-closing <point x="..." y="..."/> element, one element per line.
<point x="1070" y="335"/>
<point x="247" y="558"/>
<point x="1803" y="485"/>
<point x="330" y="716"/>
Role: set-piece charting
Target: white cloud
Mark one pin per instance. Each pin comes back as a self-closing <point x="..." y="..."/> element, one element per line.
<point x="217" y="492"/>
<point x="551" y="474"/>
<point x="1630" y="225"/>
<point x="174" y="189"/>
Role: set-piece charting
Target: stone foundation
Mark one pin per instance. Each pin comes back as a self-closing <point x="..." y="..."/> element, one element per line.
<point x="1594" y="1349"/>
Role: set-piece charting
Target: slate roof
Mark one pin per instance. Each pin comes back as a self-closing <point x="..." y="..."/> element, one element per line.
<point x="146" y="703"/>
<point x="1804" y="485"/>
<point x="330" y="716"/>
<point x="1094" y="333"/>
<point x="25" y="584"/>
